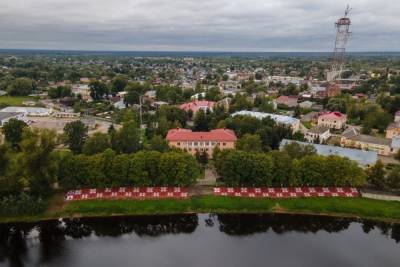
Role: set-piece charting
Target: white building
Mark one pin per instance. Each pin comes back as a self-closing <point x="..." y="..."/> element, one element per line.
<point x="279" y="119"/>
<point x="29" y="111"/>
<point x="318" y="134"/>
<point x="6" y="116"/>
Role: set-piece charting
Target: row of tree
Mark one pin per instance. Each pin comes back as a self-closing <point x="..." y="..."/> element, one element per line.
<point x="279" y="168"/>
<point x="145" y="168"/>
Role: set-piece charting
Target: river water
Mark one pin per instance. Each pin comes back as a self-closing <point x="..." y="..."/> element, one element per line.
<point x="203" y="240"/>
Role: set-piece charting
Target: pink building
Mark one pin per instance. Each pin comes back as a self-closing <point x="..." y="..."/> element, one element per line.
<point x="201" y="141"/>
<point x="198" y="105"/>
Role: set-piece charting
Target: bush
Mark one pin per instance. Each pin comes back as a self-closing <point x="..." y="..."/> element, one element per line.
<point x="22" y="204"/>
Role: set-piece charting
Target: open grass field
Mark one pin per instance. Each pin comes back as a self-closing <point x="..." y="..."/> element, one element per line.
<point x="346" y="207"/>
<point x="13" y="100"/>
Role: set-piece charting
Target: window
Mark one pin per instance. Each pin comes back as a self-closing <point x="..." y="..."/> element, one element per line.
<point x="224" y="144"/>
<point x="207" y="143"/>
<point x="195" y="143"/>
<point x="178" y="144"/>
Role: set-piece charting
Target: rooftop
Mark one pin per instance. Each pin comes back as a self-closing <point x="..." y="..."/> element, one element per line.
<point x="7" y="115"/>
<point x="197" y="105"/>
<point x="362" y="157"/>
<point x="261" y="115"/>
<point x="333" y="115"/>
<point x="223" y="135"/>
<point x="319" y="129"/>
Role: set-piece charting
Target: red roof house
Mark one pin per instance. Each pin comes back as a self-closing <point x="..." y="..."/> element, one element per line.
<point x="198" y="105"/>
<point x="201" y="141"/>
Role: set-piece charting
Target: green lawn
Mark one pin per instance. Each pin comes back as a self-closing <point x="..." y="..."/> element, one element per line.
<point x="348" y="207"/>
<point x="13" y="100"/>
<point x="356" y="207"/>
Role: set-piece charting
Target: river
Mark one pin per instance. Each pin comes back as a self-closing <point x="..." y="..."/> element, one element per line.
<point x="203" y="240"/>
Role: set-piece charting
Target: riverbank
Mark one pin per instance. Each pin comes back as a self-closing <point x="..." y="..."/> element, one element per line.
<point x="339" y="207"/>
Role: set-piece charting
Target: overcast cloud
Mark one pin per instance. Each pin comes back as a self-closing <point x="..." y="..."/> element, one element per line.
<point x="196" y="25"/>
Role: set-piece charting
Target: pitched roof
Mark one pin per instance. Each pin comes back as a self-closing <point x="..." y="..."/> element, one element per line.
<point x="333" y="115"/>
<point x="319" y="129"/>
<point x="261" y="115"/>
<point x="8" y="115"/>
<point x="223" y="135"/>
<point x="197" y="105"/>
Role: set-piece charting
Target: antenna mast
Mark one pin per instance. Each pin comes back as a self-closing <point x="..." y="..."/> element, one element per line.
<point x="342" y="36"/>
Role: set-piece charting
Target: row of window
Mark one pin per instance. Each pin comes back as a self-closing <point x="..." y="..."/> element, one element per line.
<point x="199" y="144"/>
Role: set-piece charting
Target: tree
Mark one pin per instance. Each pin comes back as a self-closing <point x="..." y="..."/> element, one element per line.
<point x="201" y="121"/>
<point x="59" y="92"/>
<point x="98" y="90"/>
<point x="158" y="143"/>
<point x="118" y="84"/>
<point x="249" y="142"/>
<point x="97" y="143"/>
<point x="297" y="151"/>
<point x="21" y="87"/>
<point x="76" y="133"/>
<point x="397" y="156"/>
<point x="127" y="139"/>
<point x="12" y="131"/>
<point x="393" y="178"/>
<point x="39" y="163"/>
<point x="376" y="176"/>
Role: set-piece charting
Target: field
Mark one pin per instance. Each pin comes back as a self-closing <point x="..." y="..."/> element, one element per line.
<point x="13" y="100"/>
<point x="346" y="207"/>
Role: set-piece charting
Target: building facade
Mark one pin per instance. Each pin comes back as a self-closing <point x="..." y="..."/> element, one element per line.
<point x="333" y="120"/>
<point x="194" y="142"/>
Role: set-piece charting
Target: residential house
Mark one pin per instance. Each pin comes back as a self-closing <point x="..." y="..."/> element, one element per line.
<point x="393" y="130"/>
<point x="194" y="142"/>
<point x="397" y="116"/>
<point x="195" y="106"/>
<point x="290" y="101"/>
<point x="333" y="120"/>
<point x="318" y="134"/>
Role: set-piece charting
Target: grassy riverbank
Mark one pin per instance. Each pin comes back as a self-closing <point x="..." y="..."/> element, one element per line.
<point x="347" y="207"/>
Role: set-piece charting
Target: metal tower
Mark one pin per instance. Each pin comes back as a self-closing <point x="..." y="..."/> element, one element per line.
<point x="342" y="36"/>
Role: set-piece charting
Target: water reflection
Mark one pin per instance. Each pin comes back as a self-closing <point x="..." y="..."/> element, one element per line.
<point x="17" y="241"/>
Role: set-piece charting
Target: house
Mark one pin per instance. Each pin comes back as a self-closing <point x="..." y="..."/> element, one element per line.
<point x="393" y="130"/>
<point x="291" y="122"/>
<point x="6" y="116"/>
<point x="290" y="101"/>
<point x="158" y="104"/>
<point x="352" y="138"/>
<point x="333" y="120"/>
<point x="363" y="158"/>
<point x="318" y="134"/>
<point x="194" y="142"/>
<point x="306" y="104"/>
<point x="397" y="116"/>
<point x="195" y="106"/>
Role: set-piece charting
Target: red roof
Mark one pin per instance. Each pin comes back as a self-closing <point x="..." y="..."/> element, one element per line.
<point x="333" y="115"/>
<point x="219" y="135"/>
<point x="197" y="105"/>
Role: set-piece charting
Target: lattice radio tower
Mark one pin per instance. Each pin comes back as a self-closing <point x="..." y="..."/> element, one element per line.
<point x="342" y="36"/>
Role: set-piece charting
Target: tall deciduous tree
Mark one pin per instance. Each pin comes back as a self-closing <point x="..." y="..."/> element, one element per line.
<point x="76" y="133"/>
<point x="97" y="143"/>
<point x="12" y="131"/>
<point x="376" y="176"/>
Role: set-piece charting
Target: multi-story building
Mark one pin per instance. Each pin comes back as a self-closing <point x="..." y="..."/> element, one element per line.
<point x="333" y="120"/>
<point x="393" y="130"/>
<point x="193" y="142"/>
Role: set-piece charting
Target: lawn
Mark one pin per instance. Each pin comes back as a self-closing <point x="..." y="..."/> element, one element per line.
<point x="346" y="207"/>
<point x="13" y="100"/>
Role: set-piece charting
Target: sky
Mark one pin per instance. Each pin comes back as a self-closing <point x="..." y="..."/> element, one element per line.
<point x="196" y="25"/>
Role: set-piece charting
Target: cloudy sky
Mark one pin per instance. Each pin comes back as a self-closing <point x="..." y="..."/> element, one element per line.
<point x="196" y="25"/>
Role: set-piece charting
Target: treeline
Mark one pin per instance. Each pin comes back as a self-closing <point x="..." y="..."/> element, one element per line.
<point x="144" y="168"/>
<point x="280" y="168"/>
